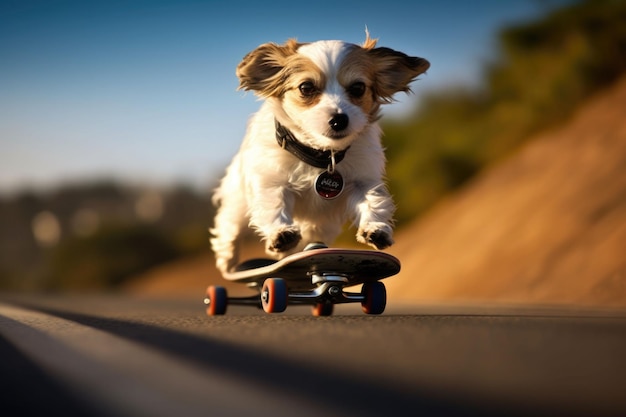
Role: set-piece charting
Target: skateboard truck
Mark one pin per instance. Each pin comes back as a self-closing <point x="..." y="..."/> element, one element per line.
<point x="328" y="287"/>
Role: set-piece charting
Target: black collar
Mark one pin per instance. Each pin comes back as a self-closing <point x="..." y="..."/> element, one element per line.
<point x="312" y="156"/>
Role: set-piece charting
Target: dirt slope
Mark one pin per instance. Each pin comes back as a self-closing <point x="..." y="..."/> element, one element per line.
<point x="547" y="225"/>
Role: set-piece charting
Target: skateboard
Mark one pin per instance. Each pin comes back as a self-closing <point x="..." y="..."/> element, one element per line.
<point x="316" y="276"/>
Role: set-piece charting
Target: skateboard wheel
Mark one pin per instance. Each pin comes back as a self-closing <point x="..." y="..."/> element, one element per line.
<point x="374" y="297"/>
<point x="323" y="309"/>
<point x="274" y="295"/>
<point x="216" y="300"/>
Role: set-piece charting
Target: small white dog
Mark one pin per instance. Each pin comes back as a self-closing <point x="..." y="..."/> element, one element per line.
<point x="312" y="157"/>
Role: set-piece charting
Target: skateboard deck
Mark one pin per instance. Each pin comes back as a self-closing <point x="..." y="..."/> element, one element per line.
<point x="358" y="266"/>
<point x="314" y="276"/>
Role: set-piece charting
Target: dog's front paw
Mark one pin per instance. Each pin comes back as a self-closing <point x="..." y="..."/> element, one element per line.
<point x="283" y="240"/>
<point x="377" y="235"/>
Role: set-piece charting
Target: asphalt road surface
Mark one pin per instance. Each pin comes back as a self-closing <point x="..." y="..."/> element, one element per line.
<point x="120" y="356"/>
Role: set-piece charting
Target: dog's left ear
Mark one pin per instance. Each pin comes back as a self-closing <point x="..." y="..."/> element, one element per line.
<point x="262" y="69"/>
<point x="395" y="71"/>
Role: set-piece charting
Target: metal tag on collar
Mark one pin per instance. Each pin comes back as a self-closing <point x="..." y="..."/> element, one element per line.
<point x="329" y="184"/>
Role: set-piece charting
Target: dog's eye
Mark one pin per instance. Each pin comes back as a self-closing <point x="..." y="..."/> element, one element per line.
<point x="356" y="89"/>
<point x="307" y="89"/>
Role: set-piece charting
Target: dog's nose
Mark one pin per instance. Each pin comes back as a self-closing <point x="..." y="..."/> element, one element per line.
<point x="339" y="122"/>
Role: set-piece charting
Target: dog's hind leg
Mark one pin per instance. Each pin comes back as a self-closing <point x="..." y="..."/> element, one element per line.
<point x="225" y="239"/>
<point x="230" y="221"/>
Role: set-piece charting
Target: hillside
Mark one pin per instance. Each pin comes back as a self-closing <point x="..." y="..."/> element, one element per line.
<point x="547" y="225"/>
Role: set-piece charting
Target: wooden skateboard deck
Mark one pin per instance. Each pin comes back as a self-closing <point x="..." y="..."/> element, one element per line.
<point x="358" y="266"/>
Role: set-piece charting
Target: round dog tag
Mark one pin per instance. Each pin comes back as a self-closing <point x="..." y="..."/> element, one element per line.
<point x="329" y="185"/>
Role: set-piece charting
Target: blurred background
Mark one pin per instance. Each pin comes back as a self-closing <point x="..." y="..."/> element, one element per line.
<point x="507" y="164"/>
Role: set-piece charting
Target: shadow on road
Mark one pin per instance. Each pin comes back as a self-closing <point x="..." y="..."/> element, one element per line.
<point x="27" y="390"/>
<point x="343" y="393"/>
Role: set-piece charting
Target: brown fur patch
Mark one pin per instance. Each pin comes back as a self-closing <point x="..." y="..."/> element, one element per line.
<point x="272" y="70"/>
<point x="261" y="70"/>
<point x="394" y="71"/>
<point x="384" y="72"/>
<point x="358" y="67"/>
<point x="369" y="43"/>
<point x="299" y="70"/>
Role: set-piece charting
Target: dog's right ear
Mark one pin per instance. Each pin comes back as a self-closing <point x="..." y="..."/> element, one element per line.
<point x="263" y="70"/>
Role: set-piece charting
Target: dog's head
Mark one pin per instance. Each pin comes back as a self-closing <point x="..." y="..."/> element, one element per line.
<point x="328" y="91"/>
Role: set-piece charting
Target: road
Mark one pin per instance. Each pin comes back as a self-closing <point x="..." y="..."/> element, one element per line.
<point x="121" y="356"/>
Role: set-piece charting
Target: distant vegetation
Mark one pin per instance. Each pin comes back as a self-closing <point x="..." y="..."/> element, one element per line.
<point x="96" y="236"/>
<point x="543" y="72"/>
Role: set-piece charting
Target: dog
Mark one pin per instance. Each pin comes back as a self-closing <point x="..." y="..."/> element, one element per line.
<point x="312" y="157"/>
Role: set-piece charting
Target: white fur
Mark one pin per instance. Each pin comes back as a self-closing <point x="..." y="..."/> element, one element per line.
<point x="270" y="190"/>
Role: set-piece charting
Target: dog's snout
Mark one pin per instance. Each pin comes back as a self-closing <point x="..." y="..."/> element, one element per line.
<point x="339" y="122"/>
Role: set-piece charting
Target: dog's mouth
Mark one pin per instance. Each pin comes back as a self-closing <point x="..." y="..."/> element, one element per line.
<point x="336" y="135"/>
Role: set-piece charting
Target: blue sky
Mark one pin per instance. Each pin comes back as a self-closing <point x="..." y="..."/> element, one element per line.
<point x="145" y="91"/>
